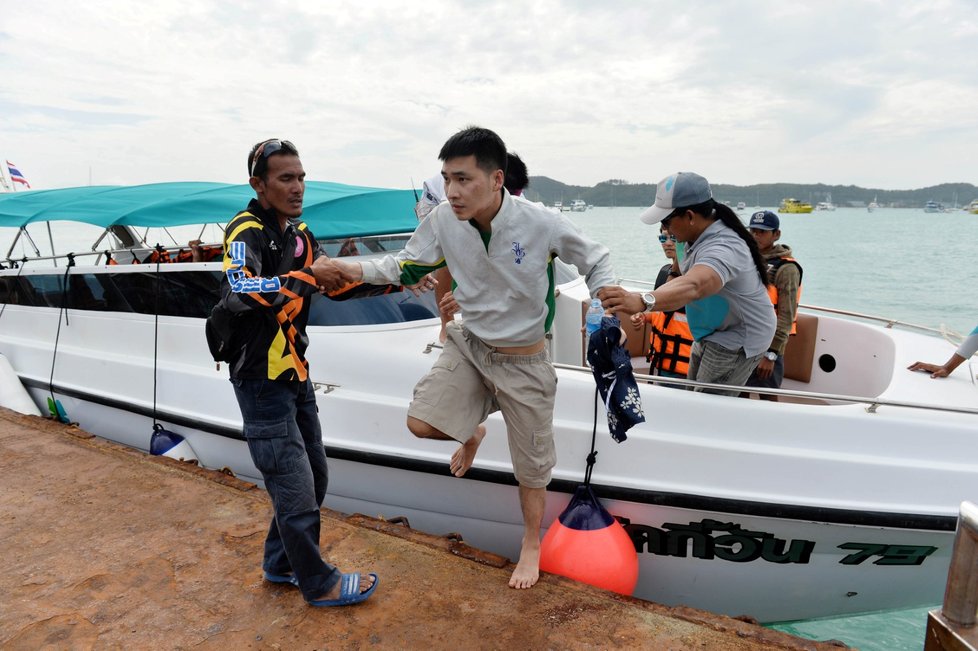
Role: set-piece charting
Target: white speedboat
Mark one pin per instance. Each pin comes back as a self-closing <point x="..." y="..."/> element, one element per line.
<point x="578" y="205"/>
<point x="841" y="498"/>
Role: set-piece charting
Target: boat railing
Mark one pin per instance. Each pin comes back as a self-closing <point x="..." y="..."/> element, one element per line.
<point x="130" y="242"/>
<point x="872" y="404"/>
<point x="887" y="322"/>
<point x="953" y="625"/>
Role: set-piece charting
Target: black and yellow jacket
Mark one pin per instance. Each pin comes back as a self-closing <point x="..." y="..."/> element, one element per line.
<point x="267" y="284"/>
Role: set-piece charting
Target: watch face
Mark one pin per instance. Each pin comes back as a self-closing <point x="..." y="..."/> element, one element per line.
<point x="649" y="299"/>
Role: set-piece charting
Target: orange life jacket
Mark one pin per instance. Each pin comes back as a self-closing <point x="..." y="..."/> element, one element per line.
<point x="670" y="342"/>
<point x="772" y="291"/>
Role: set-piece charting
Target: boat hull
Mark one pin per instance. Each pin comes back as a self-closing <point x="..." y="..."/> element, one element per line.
<point x="736" y="506"/>
<point x="739" y="561"/>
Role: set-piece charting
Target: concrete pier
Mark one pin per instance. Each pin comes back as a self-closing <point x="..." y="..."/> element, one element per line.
<point x="104" y="547"/>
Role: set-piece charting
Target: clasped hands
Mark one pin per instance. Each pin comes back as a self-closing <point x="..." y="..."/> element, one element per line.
<point x="332" y="274"/>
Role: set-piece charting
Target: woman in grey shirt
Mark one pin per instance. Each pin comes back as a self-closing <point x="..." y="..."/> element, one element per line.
<point x="722" y="283"/>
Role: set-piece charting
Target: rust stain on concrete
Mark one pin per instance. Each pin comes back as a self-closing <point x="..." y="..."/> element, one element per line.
<point x="105" y="547"/>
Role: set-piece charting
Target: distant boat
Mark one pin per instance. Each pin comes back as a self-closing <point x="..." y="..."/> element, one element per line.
<point x="741" y="205"/>
<point x="578" y="205"/>
<point x="559" y="205"/>
<point x="825" y="205"/>
<point x="793" y="205"/>
<point x="972" y="207"/>
<point x="933" y="206"/>
<point x="872" y="205"/>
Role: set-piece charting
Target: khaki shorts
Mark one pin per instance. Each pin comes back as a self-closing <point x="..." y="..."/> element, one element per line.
<point x="469" y="381"/>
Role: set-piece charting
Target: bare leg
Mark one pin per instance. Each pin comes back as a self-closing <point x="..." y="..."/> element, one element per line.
<point x="465" y="454"/>
<point x="423" y="430"/>
<point x="527" y="572"/>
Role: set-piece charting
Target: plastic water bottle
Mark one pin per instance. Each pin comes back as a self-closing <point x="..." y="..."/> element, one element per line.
<point x="592" y="321"/>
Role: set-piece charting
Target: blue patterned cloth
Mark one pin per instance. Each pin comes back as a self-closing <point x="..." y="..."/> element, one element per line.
<point x="612" y="368"/>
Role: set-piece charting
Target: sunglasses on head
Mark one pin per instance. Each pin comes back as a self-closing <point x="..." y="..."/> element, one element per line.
<point x="663" y="238"/>
<point x="268" y="148"/>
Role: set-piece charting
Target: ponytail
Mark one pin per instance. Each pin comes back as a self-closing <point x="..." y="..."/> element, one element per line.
<point x="711" y="209"/>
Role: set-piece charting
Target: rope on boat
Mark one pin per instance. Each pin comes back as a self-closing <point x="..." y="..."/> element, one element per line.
<point x="156" y="332"/>
<point x="57" y="336"/>
<point x="950" y="336"/>
<point x="592" y="457"/>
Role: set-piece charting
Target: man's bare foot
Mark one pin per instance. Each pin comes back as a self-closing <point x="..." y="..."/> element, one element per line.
<point x="465" y="454"/>
<point x="366" y="581"/>
<point x="527" y="570"/>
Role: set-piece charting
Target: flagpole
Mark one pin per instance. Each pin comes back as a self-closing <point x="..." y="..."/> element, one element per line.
<point x="3" y="179"/>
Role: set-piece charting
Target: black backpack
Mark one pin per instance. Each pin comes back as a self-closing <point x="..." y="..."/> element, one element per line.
<point x="220" y="332"/>
<point x="222" y="325"/>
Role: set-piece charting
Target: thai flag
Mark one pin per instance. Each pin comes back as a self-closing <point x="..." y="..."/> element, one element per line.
<point x="15" y="174"/>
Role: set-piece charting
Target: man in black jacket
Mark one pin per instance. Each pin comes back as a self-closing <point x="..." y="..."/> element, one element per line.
<point x="273" y="265"/>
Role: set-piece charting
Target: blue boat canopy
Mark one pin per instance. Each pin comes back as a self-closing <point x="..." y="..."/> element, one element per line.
<point x="332" y="210"/>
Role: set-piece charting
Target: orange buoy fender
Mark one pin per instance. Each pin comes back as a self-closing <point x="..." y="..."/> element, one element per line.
<point x="587" y="544"/>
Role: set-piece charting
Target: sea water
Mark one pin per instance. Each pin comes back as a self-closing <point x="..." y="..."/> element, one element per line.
<point x="897" y="263"/>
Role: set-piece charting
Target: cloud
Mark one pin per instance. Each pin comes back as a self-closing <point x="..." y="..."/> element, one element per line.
<point x="839" y="92"/>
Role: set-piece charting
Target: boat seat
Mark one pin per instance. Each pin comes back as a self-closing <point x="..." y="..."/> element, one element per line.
<point x="799" y="355"/>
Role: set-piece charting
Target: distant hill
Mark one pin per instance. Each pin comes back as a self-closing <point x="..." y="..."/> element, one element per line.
<point x="616" y="192"/>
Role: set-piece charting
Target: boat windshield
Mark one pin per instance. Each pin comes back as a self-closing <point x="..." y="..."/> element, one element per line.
<point x="192" y="293"/>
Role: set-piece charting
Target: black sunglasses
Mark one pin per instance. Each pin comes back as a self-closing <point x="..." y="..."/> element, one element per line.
<point x="268" y="148"/>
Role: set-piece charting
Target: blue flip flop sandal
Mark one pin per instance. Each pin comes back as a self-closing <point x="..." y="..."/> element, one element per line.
<point x="349" y="591"/>
<point x="281" y="578"/>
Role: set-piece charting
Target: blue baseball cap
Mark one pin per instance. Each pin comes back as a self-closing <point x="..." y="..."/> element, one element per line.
<point x="677" y="190"/>
<point x="764" y="220"/>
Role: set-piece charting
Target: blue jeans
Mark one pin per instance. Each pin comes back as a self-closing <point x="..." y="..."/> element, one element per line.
<point x="281" y="424"/>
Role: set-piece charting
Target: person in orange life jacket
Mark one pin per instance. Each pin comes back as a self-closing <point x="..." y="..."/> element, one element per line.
<point x="784" y="288"/>
<point x="670" y="339"/>
<point x="273" y="266"/>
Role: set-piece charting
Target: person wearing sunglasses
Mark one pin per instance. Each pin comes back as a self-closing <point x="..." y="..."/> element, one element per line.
<point x="273" y="265"/>
<point x="670" y="340"/>
<point x="723" y="283"/>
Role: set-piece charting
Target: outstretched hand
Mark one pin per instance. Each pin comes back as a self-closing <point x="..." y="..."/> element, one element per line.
<point x="425" y="284"/>
<point x="934" y="370"/>
<point x="618" y="299"/>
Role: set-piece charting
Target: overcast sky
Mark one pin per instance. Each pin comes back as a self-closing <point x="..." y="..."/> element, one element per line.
<point x="877" y="94"/>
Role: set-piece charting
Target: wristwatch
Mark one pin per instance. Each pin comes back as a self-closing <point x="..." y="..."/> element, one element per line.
<point x="770" y="356"/>
<point x="649" y="299"/>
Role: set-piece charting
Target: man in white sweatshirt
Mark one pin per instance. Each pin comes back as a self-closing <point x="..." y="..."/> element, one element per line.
<point x="500" y="249"/>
